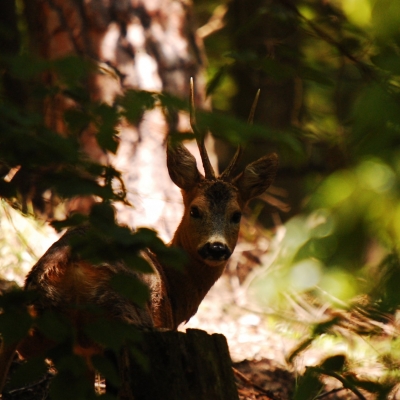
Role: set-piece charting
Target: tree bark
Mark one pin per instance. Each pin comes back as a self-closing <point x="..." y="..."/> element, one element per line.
<point x="270" y="35"/>
<point x="191" y="366"/>
<point x="9" y="45"/>
<point x="267" y="37"/>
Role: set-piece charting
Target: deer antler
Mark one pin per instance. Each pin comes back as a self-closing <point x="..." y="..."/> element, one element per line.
<point x="208" y="169"/>
<point x="226" y="175"/>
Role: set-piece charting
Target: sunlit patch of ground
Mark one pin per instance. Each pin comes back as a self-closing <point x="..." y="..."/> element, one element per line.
<point x="260" y="345"/>
<point x="23" y="240"/>
<point x="247" y="332"/>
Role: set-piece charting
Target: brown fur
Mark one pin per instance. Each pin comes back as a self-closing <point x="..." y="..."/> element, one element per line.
<point x="63" y="281"/>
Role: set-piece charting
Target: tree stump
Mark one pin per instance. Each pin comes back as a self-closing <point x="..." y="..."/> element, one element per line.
<point x="192" y="365"/>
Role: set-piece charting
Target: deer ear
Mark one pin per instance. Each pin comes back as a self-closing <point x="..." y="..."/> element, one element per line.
<point x="257" y="177"/>
<point x="182" y="167"/>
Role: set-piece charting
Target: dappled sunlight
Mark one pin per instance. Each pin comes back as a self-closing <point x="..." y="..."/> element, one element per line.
<point x="358" y="11"/>
<point x="309" y="301"/>
<point x="23" y="240"/>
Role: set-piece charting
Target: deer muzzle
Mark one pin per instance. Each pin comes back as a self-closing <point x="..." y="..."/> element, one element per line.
<point x="215" y="251"/>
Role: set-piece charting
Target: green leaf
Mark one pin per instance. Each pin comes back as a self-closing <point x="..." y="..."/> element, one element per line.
<point x="67" y="382"/>
<point x="74" y="220"/>
<point x="15" y="320"/>
<point x="178" y="137"/>
<point x="136" y="263"/>
<point x="106" y="127"/>
<point x="170" y="102"/>
<point x="77" y="120"/>
<point x="68" y="185"/>
<point x="18" y="67"/>
<point x="171" y="256"/>
<point x="216" y="80"/>
<point x="32" y="370"/>
<point x="54" y="325"/>
<point x="238" y="131"/>
<point x="312" y="74"/>
<point x="72" y="68"/>
<point x="134" y="103"/>
<point x="71" y="364"/>
<point x="145" y="237"/>
<point x="102" y="212"/>
<point x="388" y="59"/>
<point x="131" y="288"/>
<point x="111" y="335"/>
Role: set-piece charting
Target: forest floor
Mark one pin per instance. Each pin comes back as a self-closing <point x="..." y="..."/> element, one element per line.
<point x="258" y="353"/>
<point x="260" y="346"/>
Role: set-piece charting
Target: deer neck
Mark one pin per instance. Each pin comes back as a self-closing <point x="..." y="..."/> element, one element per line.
<point x="186" y="289"/>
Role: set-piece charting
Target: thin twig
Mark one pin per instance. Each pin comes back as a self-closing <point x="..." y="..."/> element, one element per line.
<point x="254" y="385"/>
<point x="322" y="395"/>
<point x="364" y="68"/>
<point x="343" y="380"/>
<point x="215" y="23"/>
<point x="45" y="378"/>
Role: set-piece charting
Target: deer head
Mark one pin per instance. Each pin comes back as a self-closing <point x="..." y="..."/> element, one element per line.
<point x="213" y="205"/>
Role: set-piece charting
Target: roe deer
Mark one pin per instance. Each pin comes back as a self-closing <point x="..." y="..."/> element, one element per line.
<point x="208" y="234"/>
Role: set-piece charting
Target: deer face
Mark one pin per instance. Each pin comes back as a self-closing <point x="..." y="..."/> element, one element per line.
<point x="212" y="216"/>
<point x="213" y="206"/>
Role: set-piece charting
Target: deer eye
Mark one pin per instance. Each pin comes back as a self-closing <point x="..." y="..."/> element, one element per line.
<point x="236" y="217"/>
<point x="195" y="212"/>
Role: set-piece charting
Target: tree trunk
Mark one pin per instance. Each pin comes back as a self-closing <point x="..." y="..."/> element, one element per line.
<point x="269" y="34"/>
<point x="151" y="46"/>
<point x="9" y="45"/>
<point x="191" y="366"/>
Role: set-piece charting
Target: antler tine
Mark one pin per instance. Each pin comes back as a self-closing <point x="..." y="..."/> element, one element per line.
<point x="226" y="175"/>
<point x="208" y="169"/>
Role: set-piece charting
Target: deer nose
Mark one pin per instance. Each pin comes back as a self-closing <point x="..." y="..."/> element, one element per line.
<point x="215" y="251"/>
